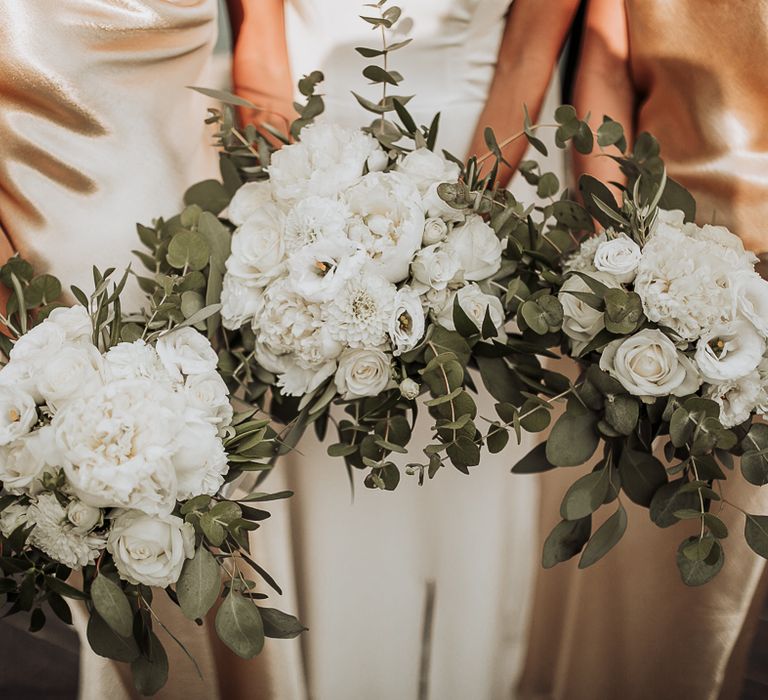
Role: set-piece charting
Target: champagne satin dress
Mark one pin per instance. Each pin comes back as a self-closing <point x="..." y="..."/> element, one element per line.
<point x="98" y="131"/>
<point x="627" y="627"/>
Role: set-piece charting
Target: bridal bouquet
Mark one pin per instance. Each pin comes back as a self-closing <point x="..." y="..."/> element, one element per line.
<point x="115" y="443"/>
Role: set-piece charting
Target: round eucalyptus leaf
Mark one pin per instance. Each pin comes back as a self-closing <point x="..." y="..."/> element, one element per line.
<point x="239" y="625"/>
<point x="698" y="572"/>
<point x="573" y="439"/>
<point x="150" y="673"/>
<point x="666" y="501"/>
<point x="641" y="475"/>
<point x="199" y="584"/>
<point x="106" y="642"/>
<point x="280" y="625"/>
<point x="112" y="604"/>
<point x="188" y="250"/>
<point x="565" y="541"/>
<point x="585" y="495"/>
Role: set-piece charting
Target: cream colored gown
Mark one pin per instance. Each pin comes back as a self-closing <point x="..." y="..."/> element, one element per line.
<point x="97" y="132"/>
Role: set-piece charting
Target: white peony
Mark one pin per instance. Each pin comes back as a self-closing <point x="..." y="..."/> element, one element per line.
<point x="39" y="344"/>
<point x="116" y="445"/>
<point x="185" y="351"/>
<point x="258" y="246"/>
<point x="23" y="462"/>
<point x="434" y="267"/>
<point x="581" y="323"/>
<point x="475" y="303"/>
<point x="319" y="270"/>
<point x="360" y="314"/>
<point x="74" y="371"/>
<point x="134" y="360"/>
<point x="751" y="292"/>
<point x="406" y="325"/>
<point x="57" y="537"/>
<point x="435" y="231"/>
<point x="729" y="352"/>
<point x="248" y="199"/>
<point x="74" y="321"/>
<point x="648" y="365"/>
<point x="208" y="393"/>
<point x="737" y="398"/>
<point x="618" y="256"/>
<point x="328" y="159"/>
<point x="425" y="168"/>
<point x="18" y="414"/>
<point x="477" y="249"/>
<point x="200" y="461"/>
<point x="314" y="219"/>
<point x="363" y="372"/>
<point x="241" y="300"/>
<point x="387" y="219"/>
<point x="150" y="549"/>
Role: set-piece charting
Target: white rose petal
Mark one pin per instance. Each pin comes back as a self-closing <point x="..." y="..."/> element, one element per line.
<point x="200" y="461"/>
<point x="208" y="393"/>
<point x="476" y="304"/>
<point x="23" y="462"/>
<point x="241" y="300"/>
<point x="74" y="321"/>
<point x="435" y="231"/>
<point x="83" y="517"/>
<point x="618" y="256"/>
<point x="258" y="246"/>
<point x="409" y="389"/>
<point x="581" y="323"/>
<point x="363" y="372"/>
<point x="75" y="370"/>
<point x="434" y="267"/>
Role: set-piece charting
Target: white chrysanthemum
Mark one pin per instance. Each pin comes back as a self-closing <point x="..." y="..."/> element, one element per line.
<point x="737" y="398"/>
<point x="116" y="445"/>
<point x="241" y="300"/>
<point x="55" y="535"/>
<point x="685" y="283"/>
<point x="314" y="219"/>
<point x="360" y="313"/>
<point x="387" y="219"/>
<point x="135" y="360"/>
<point x="328" y="159"/>
<point x="583" y="260"/>
<point x="248" y="200"/>
<point x="23" y="462"/>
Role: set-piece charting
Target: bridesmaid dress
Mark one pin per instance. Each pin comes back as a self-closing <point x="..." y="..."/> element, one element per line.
<point x="364" y="565"/>
<point x="628" y="628"/>
<point x="98" y="131"/>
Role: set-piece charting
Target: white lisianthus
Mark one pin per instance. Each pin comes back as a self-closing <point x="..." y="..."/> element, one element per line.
<point x="150" y="549"/>
<point x="406" y="326"/>
<point x="328" y="159"/>
<point x="135" y="360"/>
<point x="618" y="256"/>
<point x="185" y="351"/>
<point x="647" y="364"/>
<point x="387" y="219"/>
<point x="39" y="344"/>
<point x="248" y="199"/>
<point x="208" y="393"/>
<point x="737" y="398"/>
<point x="258" y="246"/>
<point x="729" y="352"/>
<point x="434" y="267"/>
<point x="314" y="219"/>
<point x="116" y="445"/>
<point x="23" y="462"/>
<point x="583" y="260"/>
<point x="74" y="371"/>
<point x="18" y="413"/>
<point x="200" y="460"/>
<point x="581" y="323"/>
<point x="83" y="517"/>
<point x="425" y="168"/>
<point x="751" y="292"/>
<point x="74" y="321"/>
<point x="241" y="300"/>
<point x="477" y="249"/>
<point x="21" y="375"/>
<point x="363" y="372"/>
<point x="435" y="231"/>
<point x="360" y="313"/>
<point x="295" y="380"/>
<point x="319" y="270"/>
<point x="57" y="537"/>
<point x="409" y="389"/>
<point x="12" y="517"/>
<point x="475" y="303"/>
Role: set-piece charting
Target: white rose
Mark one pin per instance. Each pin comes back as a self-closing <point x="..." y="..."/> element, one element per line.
<point x="409" y="389"/>
<point x="18" y="414"/>
<point x="251" y="197"/>
<point x="406" y="327"/>
<point x="24" y="461"/>
<point x="435" y="231"/>
<point x="737" y="398"/>
<point x="363" y="372"/>
<point x="241" y="300"/>
<point x="475" y="303"/>
<point x="150" y="549"/>
<point x="751" y="292"/>
<point x="258" y="246"/>
<point x="185" y="351"/>
<point x="200" y="460"/>
<point x="11" y="518"/>
<point x="581" y="323"/>
<point x="618" y="256"/>
<point x="208" y="393"/>
<point x="425" y="168"/>
<point x="135" y="360"/>
<point x="74" y="370"/>
<point x="729" y="352"/>
<point x="115" y="446"/>
<point x="21" y="375"/>
<point x="434" y="267"/>
<point x="39" y="343"/>
<point x="648" y="364"/>
<point x="84" y="517"/>
<point x="477" y="249"/>
<point x="74" y="321"/>
<point x="387" y="219"/>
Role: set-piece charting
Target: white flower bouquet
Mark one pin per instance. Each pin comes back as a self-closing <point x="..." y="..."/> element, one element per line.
<point x="113" y="453"/>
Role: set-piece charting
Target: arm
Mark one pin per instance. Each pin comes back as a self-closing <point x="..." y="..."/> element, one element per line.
<point x="603" y="84"/>
<point x="530" y="47"/>
<point x="260" y="67"/>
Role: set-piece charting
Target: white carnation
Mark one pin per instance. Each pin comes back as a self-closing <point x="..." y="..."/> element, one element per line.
<point x="134" y="360"/>
<point x="477" y="249"/>
<point x="729" y="352"/>
<point x="363" y="372"/>
<point x="406" y="325"/>
<point x="295" y="380"/>
<point x="186" y="351"/>
<point x="248" y="199"/>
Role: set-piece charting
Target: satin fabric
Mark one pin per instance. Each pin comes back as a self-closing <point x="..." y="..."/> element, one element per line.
<point x="628" y="627"/>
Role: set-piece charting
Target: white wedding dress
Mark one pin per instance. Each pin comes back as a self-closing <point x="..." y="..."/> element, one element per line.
<point x="362" y="565"/>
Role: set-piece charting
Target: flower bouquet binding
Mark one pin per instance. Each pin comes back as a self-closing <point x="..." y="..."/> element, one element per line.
<point x="116" y="441"/>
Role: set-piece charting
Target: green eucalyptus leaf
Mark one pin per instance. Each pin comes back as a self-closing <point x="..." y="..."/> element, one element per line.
<point x="239" y="625"/>
<point x="199" y="584"/>
<point x="605" y="538"/>
<point x="150" y="672"/>
<point x="112" y="605"/>
<point x="585" y="495"/>
<point x="210" y="195"/>
<point x="188" y="250"/>
<point x="280" y="625"/>
<point x="699" y="572"/>
<point x="756" y="533"/>
<point x="534" y="462"/>
<point x="573" y="439"/>
<point x="642" y="475"/>
<point x="565" y="541"/>
<point x="106" y="642"/>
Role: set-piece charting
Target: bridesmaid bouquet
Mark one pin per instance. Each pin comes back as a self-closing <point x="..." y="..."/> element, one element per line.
<point x="115" y="444"/>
